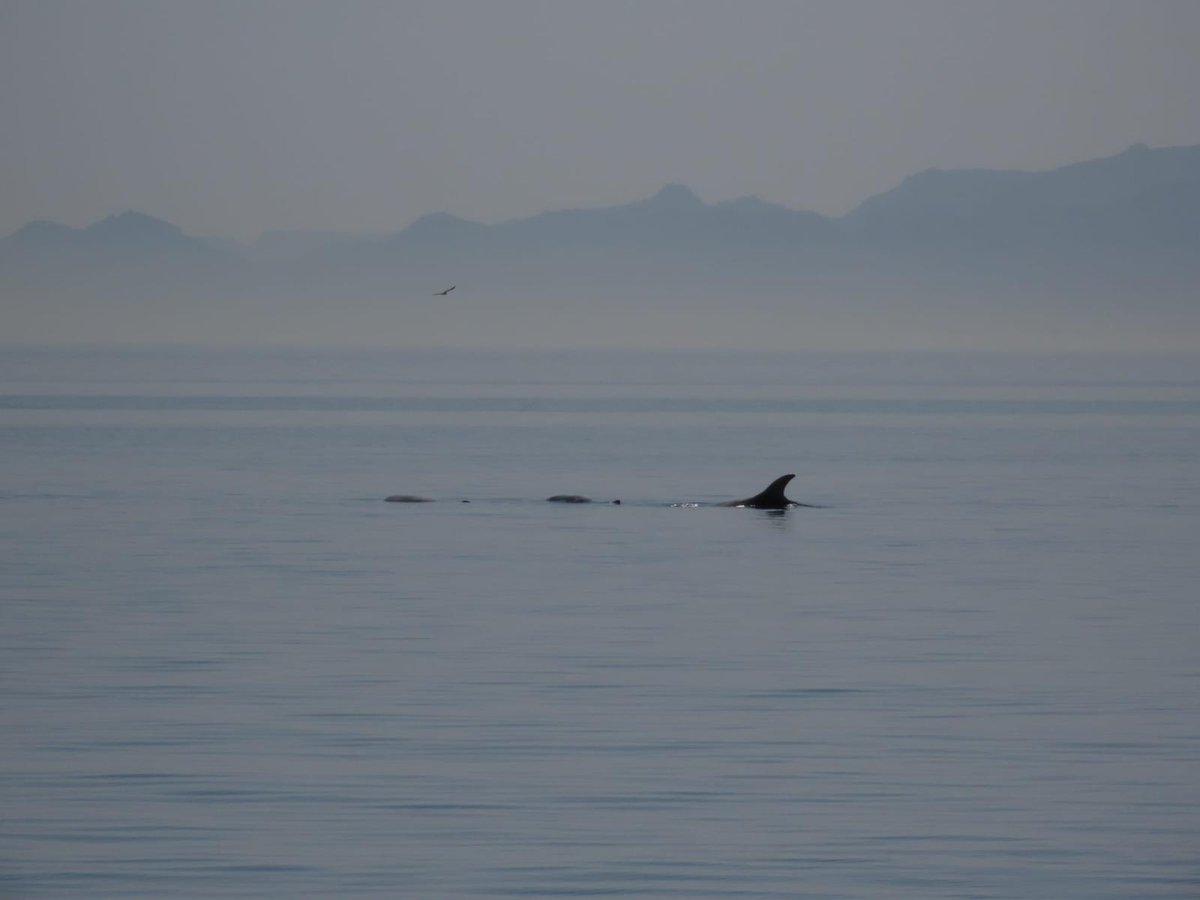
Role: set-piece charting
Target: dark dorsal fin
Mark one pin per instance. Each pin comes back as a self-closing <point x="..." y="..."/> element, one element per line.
<point x="774" y="492"/>
<point x="771" y="498"/>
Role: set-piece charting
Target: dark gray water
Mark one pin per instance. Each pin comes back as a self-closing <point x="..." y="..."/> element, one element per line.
<point x="229" y="669"/>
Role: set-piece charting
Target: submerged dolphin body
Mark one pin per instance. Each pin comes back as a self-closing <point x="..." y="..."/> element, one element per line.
<point x="407" y="498"/>
<point x="771" y="498"/>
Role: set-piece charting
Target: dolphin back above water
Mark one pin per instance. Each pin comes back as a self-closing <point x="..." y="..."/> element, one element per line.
<point x="771" y="498"/>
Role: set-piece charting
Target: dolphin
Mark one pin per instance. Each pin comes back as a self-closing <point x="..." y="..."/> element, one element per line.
<point x="573" y="498"/>
<point x="407" y="498"/>
<point x="771" y="498"/>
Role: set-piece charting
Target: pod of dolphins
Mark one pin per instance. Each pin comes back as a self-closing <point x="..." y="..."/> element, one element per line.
<point x="772" y="497"/>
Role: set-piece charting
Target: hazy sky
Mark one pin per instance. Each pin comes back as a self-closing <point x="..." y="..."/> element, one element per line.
<point x="230" y="117"/>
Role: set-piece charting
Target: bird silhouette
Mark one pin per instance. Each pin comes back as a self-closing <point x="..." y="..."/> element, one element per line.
<point x="445" y="292"/>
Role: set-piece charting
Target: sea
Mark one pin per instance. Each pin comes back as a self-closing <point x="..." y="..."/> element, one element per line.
<point x="230" y="669"/>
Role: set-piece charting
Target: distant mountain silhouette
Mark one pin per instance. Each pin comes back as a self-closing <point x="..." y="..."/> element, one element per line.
<point x="129" y="237"/>
<point x="126" y="255"/>
<point x="1141" y="194"/>
<point x="442" y="227"/>
<point x="133" y="229"/>
<point x="41" y="233"/>
<point x="675" y="214"/>
<point x="1113" y="233"/>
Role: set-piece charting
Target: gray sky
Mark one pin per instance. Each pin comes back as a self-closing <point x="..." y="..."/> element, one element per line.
<point x="230" y="117"/>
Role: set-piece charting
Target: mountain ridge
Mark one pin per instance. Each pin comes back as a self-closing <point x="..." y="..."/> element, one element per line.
<point x="928" y="192"/>
<point x="1119" y="234"/>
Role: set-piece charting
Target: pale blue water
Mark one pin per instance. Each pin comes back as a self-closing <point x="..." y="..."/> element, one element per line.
<point x="230" y="670"/>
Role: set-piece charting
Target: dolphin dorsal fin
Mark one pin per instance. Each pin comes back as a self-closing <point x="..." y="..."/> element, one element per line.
<point x="774" y="490"/>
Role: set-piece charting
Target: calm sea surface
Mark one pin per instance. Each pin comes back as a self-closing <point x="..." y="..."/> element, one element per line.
<point x="230" y="670"/>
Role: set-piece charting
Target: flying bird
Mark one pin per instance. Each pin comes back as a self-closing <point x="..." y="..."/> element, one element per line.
<point x="445" y="292"/>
